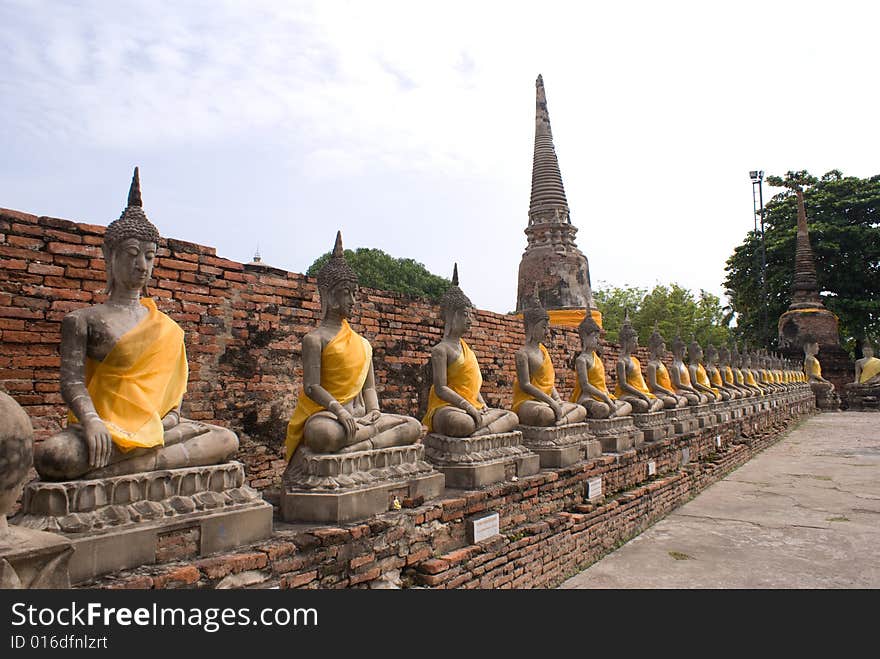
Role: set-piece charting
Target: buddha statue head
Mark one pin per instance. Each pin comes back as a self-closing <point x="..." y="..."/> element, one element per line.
<point x="536" y="320"/>
<point x="695" y="352"/>
<point x="678" y="347"/>
<point x="724" y="356"/>
<point x="130" y="245"/>
<point x="456" y="309"/>
<point x="589" y="332"/>
<point x="629" y="338"/>
<point x="656" y="344"/>
<point x="337" y="283"/>
<point x="811" y="346"/>
<point x="867" y="349"/>
<point x="711" y="354"/>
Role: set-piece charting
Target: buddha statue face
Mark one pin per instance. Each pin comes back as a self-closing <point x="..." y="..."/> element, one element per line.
<point x="537" y="331"/>
<point x="867" y="351"/>
<point x="711" y="354"/>
<point x="723" y="356"/>
<point x="589" y="339"/>
<point x="695" y="353"/>
<point x="657" y="346"/>
<point x="459" y="320"/>
<point x="341" y="297"/>
<point x="811" y="348"/>
<point x="129" y="264"/>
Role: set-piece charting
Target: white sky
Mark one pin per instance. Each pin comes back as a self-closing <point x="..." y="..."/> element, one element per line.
<point x="410" y="125"/>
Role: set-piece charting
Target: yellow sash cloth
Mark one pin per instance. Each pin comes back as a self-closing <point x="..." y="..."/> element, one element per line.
<point x="738" y="376"/>
<point x="703" y="379"/>
<point x="870" y="369"/>
<point x="716" y="378"/>
<point x="663" y="378"/>
<point x="728" y="374"/>
<point x="544" y="379"/>
<point x="636" y="380"/>
<point x="684" y="375"/>
<point x="596" y="377"/>
<point x="141" y="379"/>
<point x="464" y="378"/>
<point x="345" y="364"/>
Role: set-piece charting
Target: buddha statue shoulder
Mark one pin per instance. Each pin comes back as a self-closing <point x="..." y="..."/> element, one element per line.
<point x="631" y="386"/>
<point x="591" y="388"/>
<point x="456" y="407"/>
<point x="338" y="407"/>
<point x="699" y="376"/>
<point x="535" y="399"/>
<point x="657" y="375"/>
<point x="124" y="373"/>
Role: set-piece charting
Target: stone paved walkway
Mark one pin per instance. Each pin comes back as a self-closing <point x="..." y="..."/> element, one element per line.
<point x="805" y="513"/>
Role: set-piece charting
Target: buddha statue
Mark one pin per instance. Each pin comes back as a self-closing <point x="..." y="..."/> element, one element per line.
<point x="338" y="408"/>
<point x="697" y="371"/>
<point x="535" y="399"/>
<point x="657" y="374"/>
<point x="750" y="375"/>
<point x="868" y="367"/>
<point x="631" y="386"/>
<point x="728" y="376"/>
<point x="455" y="405"/>
<point x="681" y="378"/>
<point x="813" y="368"/>
<point x="124" y="372"/>
<point x="715" y="374"/>
<point x="16" y="454"/>
<point x="591" y="390"/>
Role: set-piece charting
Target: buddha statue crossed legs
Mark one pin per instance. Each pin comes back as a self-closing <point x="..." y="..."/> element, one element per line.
<point x="455" y="405"/>
<point x="591" y="390"/>
<point x="338" y="409"/>
<point x="535" y="399"/>
<point x="124" y="372"/>
<point x="631" y="386"/>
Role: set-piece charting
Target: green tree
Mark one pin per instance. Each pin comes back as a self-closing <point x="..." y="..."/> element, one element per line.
<point x="376" y="269"/>
<point x="843" y="213"/>
<point x="673" y="308"/>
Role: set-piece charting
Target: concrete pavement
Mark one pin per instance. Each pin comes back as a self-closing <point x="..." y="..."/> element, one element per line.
<point x="805" y="513"/>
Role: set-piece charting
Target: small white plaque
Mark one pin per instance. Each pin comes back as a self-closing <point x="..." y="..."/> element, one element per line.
<point x="685" y="455"/>
<point x="718" y="441"/>
<point x="594" y="488"/>
<point x="652" y="468"/>
<point x="482" y="528"/>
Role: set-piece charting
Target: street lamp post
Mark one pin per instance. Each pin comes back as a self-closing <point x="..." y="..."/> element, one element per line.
<point x="757" y="177"/>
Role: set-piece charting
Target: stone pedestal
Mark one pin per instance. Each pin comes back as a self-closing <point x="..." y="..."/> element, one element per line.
<point x="616" y="435"/>
<point x="472" y="462"/>
<point x="682" y="420"/>
<point x="826" y="400"/>
<point x="34" y="559"/>
<point x="721" y="410"/>
<point x="654" y="425"/>
<point x="559" y="446"/>
<point x="345" y="487"/>
<point x="862" y="397"/>
<point x="127" y="521"/>
<point x="703" y="415"/>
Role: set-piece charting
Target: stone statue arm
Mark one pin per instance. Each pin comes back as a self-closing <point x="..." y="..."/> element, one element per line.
<point x="651" y="375"/>
<point x="582" y="366"/>
<point x="524" y="376"/>
<point x="858" y="370"/>
<point x="692" y="369"/>
<point x="625" y="386"/>
<point x="371" y="399"/>
<point x="74" y="342"/>
<point x="675" y="375"/>
<point x="311" y="350"/>
<point x="171" y="419"/>
<point x="444" y="392"/>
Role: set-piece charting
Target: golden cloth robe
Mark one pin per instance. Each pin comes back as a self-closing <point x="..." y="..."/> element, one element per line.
<point x="728" y="375"/>
<point x="663" y="378"/>
<point x="464" y="378"/>
<point x="716" y="379"/>
<point x="636" y="380"/>
<point x="869" y="370"/>
<point x="345" y="364"/>
<point x="703" y="379"/>
<point x="141" y="379"/>
<point x="543" y="378"/>
<point x="684" y="375"/>
<point x="596" y="377"/>
<point x="739" y="377"/>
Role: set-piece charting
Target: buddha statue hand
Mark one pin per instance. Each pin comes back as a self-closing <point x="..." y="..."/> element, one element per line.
<point x="556" y="406"/>
<point x="346" y="419"/>
<point x="370" y="418"/>
<point x="98" y="440"/>
<point x="171" y="420"/>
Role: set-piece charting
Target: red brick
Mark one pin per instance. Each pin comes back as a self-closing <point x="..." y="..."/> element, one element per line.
<point x="182" y="576"/>
<point x="297" y="580"/>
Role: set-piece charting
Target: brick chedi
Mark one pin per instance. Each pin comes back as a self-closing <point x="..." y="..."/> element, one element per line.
<point x="552" y="259"/>
<point x="807" y="315"/>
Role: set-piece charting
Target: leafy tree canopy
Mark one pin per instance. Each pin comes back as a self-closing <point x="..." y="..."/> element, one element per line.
<point x="376" y="269"/>
<point x="843" y="213"/>
<point x="675" y="310"/>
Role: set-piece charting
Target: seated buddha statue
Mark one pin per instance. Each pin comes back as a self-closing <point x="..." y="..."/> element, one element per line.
<point x="728" y="377"/>
<point x="697" y="371"/>
<point x="657" y="374"/>
<point x="455" y="405"/>
<point x="338" y="408"/>
<point x="868" y="367"/>
<point x="751" y="374"/>
<point x="124" y="373"/>
<point x="535" y="399"/>
<point x="766" y="372"/>
<point x="631" y="385"/>
<point x="590" y="389"/>
<point x="681" y="377"/>
<point x="714" y="374"/>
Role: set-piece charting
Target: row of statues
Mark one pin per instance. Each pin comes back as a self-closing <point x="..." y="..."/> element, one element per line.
<point x="124" y="373"/>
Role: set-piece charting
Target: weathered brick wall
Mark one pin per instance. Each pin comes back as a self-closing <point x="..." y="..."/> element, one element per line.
<point x="243" y="325"/>
<point x="547" y="529"/>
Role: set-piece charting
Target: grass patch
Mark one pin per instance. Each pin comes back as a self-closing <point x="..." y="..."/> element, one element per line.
<point x="677" y="555"/>
<point x="837" y="519"/>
